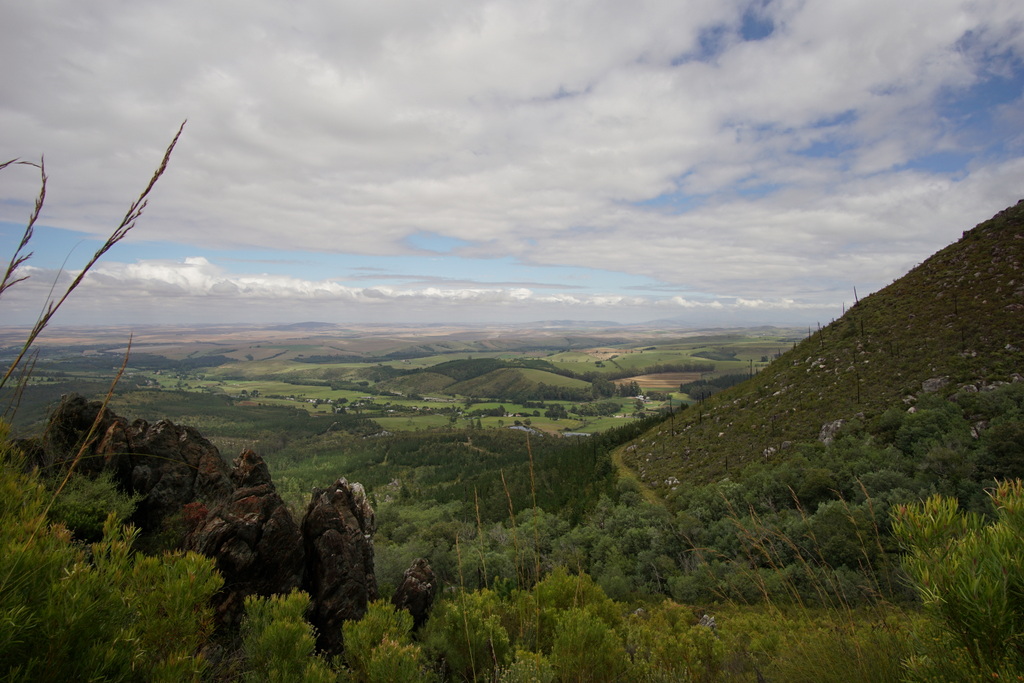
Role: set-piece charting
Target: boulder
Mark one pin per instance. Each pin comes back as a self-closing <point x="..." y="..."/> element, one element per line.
<point x="338" y="533"/>
<point x="171" y="466"/>
<point x="829" y="430"/>
<point x="416" y="592"/>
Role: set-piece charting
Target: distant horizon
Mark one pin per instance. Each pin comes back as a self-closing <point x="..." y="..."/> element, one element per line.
<point x="313" y="325"/>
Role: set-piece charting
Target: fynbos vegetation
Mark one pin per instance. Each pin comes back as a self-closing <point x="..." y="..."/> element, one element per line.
<point x="850" y="512"/>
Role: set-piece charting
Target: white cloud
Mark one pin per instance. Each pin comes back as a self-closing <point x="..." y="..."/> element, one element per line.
<point x="159" y="291"/>
<point x="525" y="128"/>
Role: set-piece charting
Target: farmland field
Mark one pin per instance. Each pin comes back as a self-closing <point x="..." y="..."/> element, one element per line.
<point x="662" y="380"/>
<point x="392" y="378"/>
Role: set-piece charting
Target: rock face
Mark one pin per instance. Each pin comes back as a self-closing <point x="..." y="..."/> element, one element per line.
<point x="234" y="515"/>
<point x="83" y="427"/>
<point x="252" y="537"/>
<point x="338" y="530"/>
<point x="169" y="465"/>
<point x="416" y="592"/>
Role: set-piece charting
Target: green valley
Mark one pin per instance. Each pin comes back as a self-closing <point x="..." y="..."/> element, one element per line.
<point x="748" y="505"/>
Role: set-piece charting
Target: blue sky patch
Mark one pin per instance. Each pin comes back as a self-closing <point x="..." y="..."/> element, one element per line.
<point x="431" y="241"/>
<point x="755" y="25"/>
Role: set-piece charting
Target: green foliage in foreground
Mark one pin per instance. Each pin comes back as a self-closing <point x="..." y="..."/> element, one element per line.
<point x="970" y="575"/>
<point x="106" y="612"/>
<point x="100" y="612"/>
<point x="278" y="642"/>
<point x="379" y="648"/>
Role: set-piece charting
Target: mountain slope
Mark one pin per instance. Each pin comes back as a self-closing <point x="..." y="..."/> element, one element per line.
<point x="956" y="319"/>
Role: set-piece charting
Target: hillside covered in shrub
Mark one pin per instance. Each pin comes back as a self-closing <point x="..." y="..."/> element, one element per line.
<point x="851" y="512"/>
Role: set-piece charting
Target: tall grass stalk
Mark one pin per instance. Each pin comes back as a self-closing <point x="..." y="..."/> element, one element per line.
<point x="520" y="579"/>
<point x="536" y="532"/>
<point x="480" y="536"/>
<point x="17" y="570"/>
<point x="12" y="275"/>
<point x="843" y="638"/>
<point x="464" y="609"/>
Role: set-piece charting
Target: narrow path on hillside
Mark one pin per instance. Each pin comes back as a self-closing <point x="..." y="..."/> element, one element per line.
<point x="626" y="472"/>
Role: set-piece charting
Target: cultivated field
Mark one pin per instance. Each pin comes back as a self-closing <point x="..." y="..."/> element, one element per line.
<point x="403" y="378"/>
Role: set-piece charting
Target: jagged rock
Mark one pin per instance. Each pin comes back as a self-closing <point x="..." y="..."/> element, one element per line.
<point x="338" y="533"/>
<point x="173" y="465"/>
<point x="416" y="592"/>
<point x="234" y="516"/>
<point x="253" y="539"/>
<point x="81" y="427"/>
<point x="169" y="465"/>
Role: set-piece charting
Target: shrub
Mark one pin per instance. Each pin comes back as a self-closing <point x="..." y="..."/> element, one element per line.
<point x="393" y="662"/>
<point x="667" y="644"/>
<point x="119" y="616"/>
<point x="467" y="632"/>
<point x="970" y="575"/>
<point x="528" y="667"/>
<point x="538" y="610"/>
<point x="279" y="643"/>
<point x="378" y="648"/>
<point x="586" y="649"/>
<point x="84" y="503"/>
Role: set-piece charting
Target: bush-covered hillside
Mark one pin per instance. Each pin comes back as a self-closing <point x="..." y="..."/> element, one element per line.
<point x="955" y="320"/>
<point x="851" y="513"/>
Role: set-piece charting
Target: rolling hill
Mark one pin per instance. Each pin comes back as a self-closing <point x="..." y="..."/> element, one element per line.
<point x="490" y="378"/>
<point x="955" y="322"/>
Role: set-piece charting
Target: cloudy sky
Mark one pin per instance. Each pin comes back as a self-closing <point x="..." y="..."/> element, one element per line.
<point x="720" y="161"/>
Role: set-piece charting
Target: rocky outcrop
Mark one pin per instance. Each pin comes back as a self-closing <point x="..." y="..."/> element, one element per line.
<point x="171" y="466"/>
<point x="167" y="464"/>
<point x="82" y="431"/>
<point x="416" y="592"/>
<point x="252" y="537"/>
<point x="829" y="430"/>
<point x="338" y="532"/>
<point x="234" y="515"/>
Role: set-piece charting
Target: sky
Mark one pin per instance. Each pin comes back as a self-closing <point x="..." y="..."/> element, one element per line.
<point x="726" y="162"/>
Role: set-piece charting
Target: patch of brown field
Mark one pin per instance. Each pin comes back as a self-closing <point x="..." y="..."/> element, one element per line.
<point x="662" y="380"/>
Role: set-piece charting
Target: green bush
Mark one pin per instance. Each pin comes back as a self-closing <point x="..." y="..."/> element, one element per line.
<point x="114" y="616"/>
<point x="467" y="632"/>
<point x="585" y="648"/>
<point x="378" y="647"/>
<point x="84" y="503"/>
<point x="394" y="662"/>
<point x="667" y="644"/>
<point x="279" y="643"/>
<point x="528" y="667"/>
<point x="539" y="610"/>
<point x="970" y="575"/>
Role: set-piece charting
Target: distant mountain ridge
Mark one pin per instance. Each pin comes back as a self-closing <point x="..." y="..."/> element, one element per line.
<point x="956" y="319"/>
